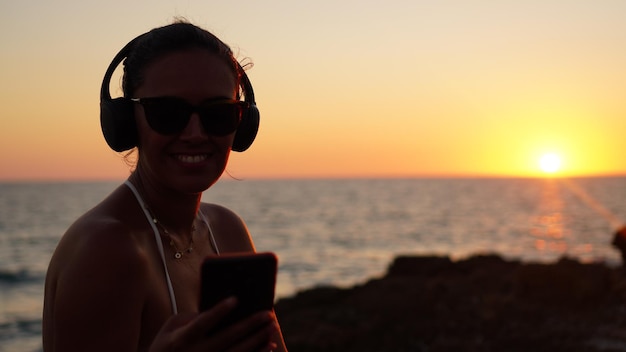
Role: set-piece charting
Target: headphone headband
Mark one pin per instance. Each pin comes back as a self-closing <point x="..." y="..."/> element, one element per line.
<point x="105" y="94"/>
<point x="117" y="115"/>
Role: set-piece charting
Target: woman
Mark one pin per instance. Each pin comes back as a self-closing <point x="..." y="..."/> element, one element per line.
<point x="125" y="275"/>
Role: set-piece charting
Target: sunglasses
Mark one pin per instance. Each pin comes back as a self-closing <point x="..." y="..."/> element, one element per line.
<point x="170" y="115"/>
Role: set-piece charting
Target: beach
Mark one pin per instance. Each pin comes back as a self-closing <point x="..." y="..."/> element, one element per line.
<point x="482" y="303"/>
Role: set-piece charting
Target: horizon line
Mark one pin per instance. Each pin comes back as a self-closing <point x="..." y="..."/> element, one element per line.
<point x="227" y="177"/>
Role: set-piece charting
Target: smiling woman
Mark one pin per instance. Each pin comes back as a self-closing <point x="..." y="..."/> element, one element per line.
<point x="181" y="110"/>
<point x="550" y="163"/>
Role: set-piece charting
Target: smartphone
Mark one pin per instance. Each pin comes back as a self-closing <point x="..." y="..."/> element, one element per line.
<point x="251" y="277"/>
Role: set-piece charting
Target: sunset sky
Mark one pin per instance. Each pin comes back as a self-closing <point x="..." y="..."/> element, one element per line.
<point x="390" y="88"/>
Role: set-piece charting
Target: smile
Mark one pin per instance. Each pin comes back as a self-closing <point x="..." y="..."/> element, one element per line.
<point x="191" y="159"/>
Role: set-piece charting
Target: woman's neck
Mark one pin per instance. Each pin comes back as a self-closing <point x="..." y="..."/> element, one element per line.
<point x="174" y="210"/>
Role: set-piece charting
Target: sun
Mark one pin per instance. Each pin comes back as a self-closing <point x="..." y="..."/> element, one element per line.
<point x="550" y="163"/>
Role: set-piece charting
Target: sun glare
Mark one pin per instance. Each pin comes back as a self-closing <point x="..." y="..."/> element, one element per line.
<point x="550" y="163"/>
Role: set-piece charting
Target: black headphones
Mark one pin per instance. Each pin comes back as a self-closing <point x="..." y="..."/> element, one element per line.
<point x="117" y="115"/>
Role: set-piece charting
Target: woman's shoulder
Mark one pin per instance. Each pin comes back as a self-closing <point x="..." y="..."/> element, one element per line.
<point x="104" y="234"/>
<point x="99" y="269"/>
<point x="98" y="231"/>
<point x="229" y="229"/>
<point x="219" y="212"/>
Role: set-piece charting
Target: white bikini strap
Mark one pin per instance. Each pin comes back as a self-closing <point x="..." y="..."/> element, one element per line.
<point x="159" y="242"/>
<point x="211" y="237"/>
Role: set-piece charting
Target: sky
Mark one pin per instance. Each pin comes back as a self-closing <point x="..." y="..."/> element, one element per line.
<point x="390" y="88"/>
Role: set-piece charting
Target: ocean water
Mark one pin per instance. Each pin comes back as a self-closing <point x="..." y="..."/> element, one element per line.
<point x="332" y="232"/>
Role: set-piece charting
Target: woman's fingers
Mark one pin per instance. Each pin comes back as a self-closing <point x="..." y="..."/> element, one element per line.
<point x="250" y="334"/>
<point x="253" y="324"/>
<point x="209" y="320"/>
<point x="168" y="338"/>
<point x="202" y="332"/>
<point x="259" y="339"/>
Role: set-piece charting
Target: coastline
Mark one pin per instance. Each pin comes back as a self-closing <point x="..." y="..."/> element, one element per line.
<point x="483" y="303"/>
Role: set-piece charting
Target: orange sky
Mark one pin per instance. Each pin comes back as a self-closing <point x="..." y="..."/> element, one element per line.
<point x="345" y="89"/>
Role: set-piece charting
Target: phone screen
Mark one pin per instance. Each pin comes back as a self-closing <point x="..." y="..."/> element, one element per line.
<point x="251" y="277"/>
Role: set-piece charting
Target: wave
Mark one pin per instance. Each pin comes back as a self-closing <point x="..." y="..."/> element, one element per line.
<point x="19" y="276"/>
<point x="21" y="335"/>
<point x="20" y="327"/>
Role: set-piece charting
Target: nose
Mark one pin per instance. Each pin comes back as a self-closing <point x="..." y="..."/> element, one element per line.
<point x="194" y="129"/>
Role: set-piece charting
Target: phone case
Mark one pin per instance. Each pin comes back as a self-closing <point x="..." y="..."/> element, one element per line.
<point x="251" y="277"/>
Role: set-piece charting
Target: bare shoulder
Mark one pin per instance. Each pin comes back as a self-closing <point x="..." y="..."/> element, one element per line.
<point x="229" y="229"/>
<point x="98" y="256"/>
<point x="98" y="270"/>
<point x="96" y="239"/>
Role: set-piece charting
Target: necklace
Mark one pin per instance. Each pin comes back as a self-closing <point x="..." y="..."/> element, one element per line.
<point x="177" y="252"/>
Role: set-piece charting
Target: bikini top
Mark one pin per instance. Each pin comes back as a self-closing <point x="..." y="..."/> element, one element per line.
<point x="159" y="242"/>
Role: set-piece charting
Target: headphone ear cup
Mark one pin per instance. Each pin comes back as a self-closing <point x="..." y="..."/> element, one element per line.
<point x="247" y="130"/>
<point x="117" y="119"/>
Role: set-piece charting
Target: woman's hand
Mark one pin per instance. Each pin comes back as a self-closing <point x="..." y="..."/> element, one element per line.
<point x="189" y="332"/>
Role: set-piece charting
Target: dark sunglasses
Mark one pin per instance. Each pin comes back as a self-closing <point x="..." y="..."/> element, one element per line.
<point x="170" y="115"/>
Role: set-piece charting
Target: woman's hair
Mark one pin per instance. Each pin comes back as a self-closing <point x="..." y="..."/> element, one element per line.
<point x="175" y="37"/>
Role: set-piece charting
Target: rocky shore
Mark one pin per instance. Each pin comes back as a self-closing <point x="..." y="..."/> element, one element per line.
<point x="483" y="303"/>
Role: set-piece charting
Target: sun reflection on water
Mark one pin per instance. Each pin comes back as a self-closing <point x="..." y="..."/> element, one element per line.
<point x="548" y="227"/>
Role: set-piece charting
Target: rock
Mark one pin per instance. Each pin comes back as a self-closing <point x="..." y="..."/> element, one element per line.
<point x="483" y="303"/>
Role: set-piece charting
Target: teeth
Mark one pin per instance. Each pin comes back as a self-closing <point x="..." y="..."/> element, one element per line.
<point x="192" y="158"/>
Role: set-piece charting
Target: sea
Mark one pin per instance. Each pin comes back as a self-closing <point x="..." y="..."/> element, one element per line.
<point x="339" y="232"/>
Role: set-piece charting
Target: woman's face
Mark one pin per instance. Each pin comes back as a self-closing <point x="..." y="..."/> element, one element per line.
<point x="190" y="161"/>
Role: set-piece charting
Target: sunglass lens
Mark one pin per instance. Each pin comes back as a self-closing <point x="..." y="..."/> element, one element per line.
<point x="221" y="119"/>
<point x="167" y="115"/>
